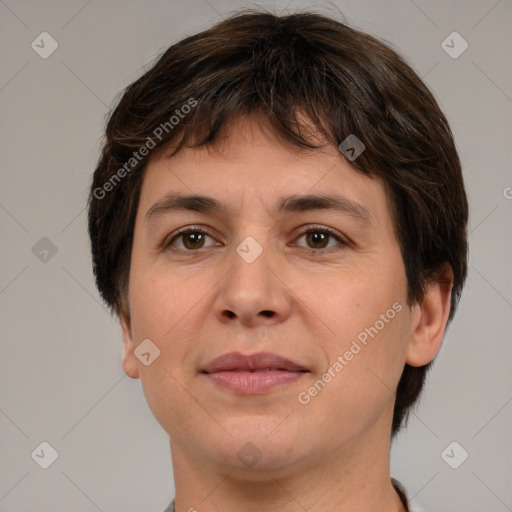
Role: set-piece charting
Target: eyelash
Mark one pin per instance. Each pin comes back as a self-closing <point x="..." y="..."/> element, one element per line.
<point x="307" y="229"/>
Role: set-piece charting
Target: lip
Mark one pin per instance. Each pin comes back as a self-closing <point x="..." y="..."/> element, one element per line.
<point x="252" y="374"/>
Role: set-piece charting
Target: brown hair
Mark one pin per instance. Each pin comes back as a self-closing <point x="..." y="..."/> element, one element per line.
<point x="290" y="68"/>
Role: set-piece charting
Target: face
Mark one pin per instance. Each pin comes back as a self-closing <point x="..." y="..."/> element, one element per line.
<point x="318" y="287"/>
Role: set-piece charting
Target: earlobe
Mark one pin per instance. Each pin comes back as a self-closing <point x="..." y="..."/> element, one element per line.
<point x="429" y="319"/>
<point x="130" y="365"/>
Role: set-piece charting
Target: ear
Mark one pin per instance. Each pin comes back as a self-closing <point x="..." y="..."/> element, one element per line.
<point x="130" y="364"/>
<point x="429" y="319"/>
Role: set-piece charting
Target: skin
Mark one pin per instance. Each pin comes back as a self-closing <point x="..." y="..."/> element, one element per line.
<point x="333" y="453"/>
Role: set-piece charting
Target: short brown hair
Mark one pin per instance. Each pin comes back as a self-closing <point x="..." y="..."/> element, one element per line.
<point x="283" y="67"/>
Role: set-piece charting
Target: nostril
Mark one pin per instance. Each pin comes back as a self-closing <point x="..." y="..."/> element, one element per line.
<point x="267" y="313"/>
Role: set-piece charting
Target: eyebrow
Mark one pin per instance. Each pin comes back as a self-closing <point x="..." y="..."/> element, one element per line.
<point x="174" y="202"/>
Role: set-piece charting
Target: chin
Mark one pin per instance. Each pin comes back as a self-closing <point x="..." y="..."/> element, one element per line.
<point x="255" y="448"/>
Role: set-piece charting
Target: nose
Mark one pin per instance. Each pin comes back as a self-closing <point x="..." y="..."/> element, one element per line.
<point x="253" y="292"/>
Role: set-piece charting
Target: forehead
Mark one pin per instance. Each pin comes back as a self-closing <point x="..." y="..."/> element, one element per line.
<point x="251" y="166"/>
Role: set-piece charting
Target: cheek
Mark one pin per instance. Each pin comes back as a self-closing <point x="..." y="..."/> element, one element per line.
<point x="364" y="365"/>
<point x="369" y="318"/>
<point x="354" y="301"/>
<point x="166" y="398"/>
<point x="165" y="308"/>
<point x="156" y="303"/>
<point x="158" y="307"/>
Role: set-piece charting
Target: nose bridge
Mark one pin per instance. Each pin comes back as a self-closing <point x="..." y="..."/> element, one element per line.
<point x="251" y="291"/>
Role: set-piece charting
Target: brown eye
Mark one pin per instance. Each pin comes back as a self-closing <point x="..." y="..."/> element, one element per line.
<point x="188" y="240"/>
<point x="193" y="240"/>
<point x="318" y="239"/>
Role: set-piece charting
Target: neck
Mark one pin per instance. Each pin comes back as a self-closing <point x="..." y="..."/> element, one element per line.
<point x="355" y="481"/>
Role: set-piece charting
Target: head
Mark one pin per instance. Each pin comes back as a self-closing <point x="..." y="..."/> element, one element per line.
<point x="248" y="112"/>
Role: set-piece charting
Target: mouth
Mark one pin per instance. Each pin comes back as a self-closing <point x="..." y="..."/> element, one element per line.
<point x="252" y="374"/>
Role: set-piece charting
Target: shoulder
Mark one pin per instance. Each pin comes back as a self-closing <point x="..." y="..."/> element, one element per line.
<point x="170" y="508"/>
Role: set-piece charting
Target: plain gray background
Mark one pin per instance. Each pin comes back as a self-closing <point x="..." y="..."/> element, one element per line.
<point x="61" y="379"/>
